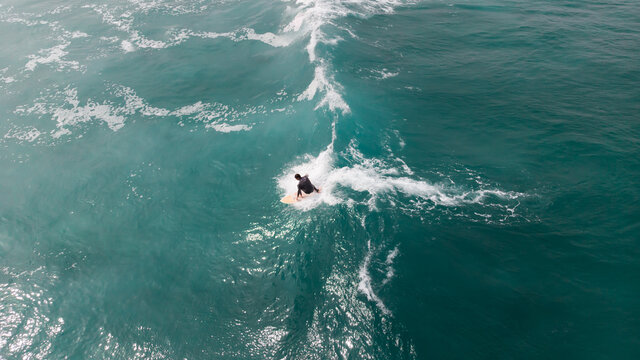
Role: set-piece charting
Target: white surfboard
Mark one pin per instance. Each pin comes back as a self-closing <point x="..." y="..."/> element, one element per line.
<point x="290" y="199"/>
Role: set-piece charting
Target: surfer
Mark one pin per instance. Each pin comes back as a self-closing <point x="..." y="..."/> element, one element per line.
<point x="304" y="184"/>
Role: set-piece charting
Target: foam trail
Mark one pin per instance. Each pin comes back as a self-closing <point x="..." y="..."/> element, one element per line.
<point x="389" y="262"/>
<point x="378" y="180"/>
<point x="364" y="285"/>
<point x="65" y="109"/>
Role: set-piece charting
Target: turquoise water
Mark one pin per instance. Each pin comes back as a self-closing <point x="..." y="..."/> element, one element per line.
<point x="479" y="165"/>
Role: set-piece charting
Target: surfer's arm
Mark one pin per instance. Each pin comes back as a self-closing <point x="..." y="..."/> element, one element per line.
<point x="299" y="193"/>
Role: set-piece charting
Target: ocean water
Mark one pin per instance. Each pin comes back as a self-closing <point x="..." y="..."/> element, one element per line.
<point x="479" y="164"/>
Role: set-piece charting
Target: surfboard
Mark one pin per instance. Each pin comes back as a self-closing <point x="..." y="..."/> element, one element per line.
<point x="290" y="199"/>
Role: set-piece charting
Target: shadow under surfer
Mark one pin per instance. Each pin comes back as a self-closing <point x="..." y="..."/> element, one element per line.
<point x="304" y="184"/>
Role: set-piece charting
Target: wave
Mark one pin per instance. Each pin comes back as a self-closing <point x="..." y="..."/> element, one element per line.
<point x="311" y="17"/>
<point x="303" y="19"/>
<point x="308" y="19"/>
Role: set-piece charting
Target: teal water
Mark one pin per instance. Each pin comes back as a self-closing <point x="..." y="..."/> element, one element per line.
<point x="479" y="162"/>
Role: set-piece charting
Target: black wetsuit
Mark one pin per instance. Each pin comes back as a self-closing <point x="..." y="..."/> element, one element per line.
<point x="305" y="185"/>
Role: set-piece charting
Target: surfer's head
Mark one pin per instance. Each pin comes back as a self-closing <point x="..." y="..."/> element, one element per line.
<point x="298" y="177"/>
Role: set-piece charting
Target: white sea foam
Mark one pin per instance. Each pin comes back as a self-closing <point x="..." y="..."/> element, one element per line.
<point x="267" y="38"/>
<point x="27" y="134"/>
<point x="78" y="34"/>
<point x="74" y="114"/>
<point x="66" y="110"/>
<point x="177" y="37"/>
<point x="143" y="42"/>
<point x="401" y="141"/>
<point x="405" y="167"/>
<point x="6" y="79"/>
<point x="389" y="263"/>
<point x="134" y="103"/>
<point x="323" y="83"/>
<point x="54" y="55"/>
<point x="124" y="21"/>
<point x="190" y="109"/>
<point x="127" y="46"/>
<point x="364" y="285"/>
<point x="226" y="128"/>
<point x="384" y="73"/>
<point x="169" y="6"/>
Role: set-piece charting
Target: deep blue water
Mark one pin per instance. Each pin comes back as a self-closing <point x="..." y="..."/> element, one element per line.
<point x="479" y="165"/>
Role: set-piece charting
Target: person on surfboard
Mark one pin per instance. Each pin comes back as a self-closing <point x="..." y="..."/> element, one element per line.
<point x="304" y="184"/>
